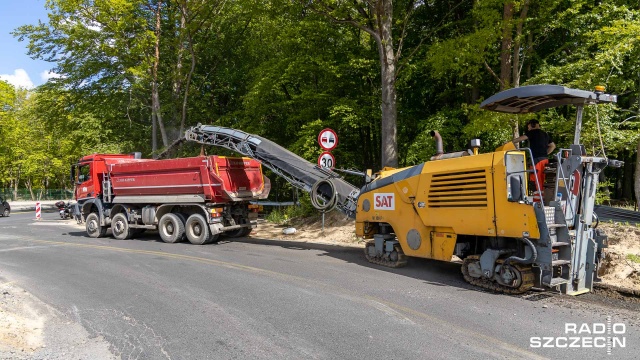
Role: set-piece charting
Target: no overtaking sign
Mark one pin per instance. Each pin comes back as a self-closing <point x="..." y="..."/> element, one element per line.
<point x="328" y="139"/>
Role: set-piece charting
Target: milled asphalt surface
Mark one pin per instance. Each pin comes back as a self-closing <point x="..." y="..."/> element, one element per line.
<point x="255" y="298"/>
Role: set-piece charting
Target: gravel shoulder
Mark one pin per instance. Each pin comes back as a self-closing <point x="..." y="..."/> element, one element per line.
<point x="30" y="329"/>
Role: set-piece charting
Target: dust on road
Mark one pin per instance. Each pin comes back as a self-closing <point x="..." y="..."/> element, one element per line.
<point x="30" y="329"/>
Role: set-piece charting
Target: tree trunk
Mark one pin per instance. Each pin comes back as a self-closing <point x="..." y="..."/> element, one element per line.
<point x="177" y="77"/>
<point x="27" y="183"/>
<point x="388" y="72"/>
<point x="183" y="120"/>
<point x="627" y="179"/>
<point x="154" y="134"/>
<point x="517" y="44"/>
<point x="155" y="97"/>
<point x="636" y="185"/>
<point x="507" y="42"/>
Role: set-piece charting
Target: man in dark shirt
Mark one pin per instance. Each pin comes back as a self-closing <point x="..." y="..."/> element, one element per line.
<point x="540" y="142"/>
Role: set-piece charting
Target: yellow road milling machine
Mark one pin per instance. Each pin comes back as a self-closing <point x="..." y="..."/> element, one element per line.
<point x="478" y="207"/>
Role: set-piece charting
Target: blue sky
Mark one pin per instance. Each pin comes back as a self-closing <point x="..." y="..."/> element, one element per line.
<point x="16" y="66"/>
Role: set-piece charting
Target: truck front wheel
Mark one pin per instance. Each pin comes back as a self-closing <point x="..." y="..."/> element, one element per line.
<point x="94" y="229"/>
<point x="197" y="230"/>
<point x="171" y="228"/>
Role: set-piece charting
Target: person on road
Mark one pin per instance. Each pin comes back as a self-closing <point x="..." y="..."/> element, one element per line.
<point x="540" y="142"/>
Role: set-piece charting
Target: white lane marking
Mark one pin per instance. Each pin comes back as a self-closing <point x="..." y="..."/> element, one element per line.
<point x="28" y="247"/>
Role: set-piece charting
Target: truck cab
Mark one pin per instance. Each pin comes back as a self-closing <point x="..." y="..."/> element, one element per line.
<point x="89" y="172"/>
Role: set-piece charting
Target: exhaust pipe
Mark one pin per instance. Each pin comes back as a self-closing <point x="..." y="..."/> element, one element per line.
<point x="440" y="155"/>
<point x="439" y="148"/>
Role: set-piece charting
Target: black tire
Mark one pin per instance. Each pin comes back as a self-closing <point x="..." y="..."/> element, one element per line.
<point x="184" y="221"/>
<point x="238" y="233"/>
<point x="137" y="231"/>
<point x="93" y="227"/>
<point x="197" y="230"/>
<point x="120" y="227"/>
<point x="214" y="239"/>
<point x="171" y="228"/>
<point x="6" y="212"/>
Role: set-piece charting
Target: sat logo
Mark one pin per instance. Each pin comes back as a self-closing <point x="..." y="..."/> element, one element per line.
<point x="384" y="201"/>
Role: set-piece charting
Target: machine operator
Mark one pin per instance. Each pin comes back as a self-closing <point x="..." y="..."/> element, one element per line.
<point x="541" y="146"/>
<point x="540" y="142"/>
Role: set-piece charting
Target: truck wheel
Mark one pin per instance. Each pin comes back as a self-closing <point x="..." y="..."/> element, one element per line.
<point x="214" y="239"/>
<point x="239" y="232"/>
<point x="120" y="227"/>
<point x="197" y="230"/>
<point x="94" y="229"/>
<point x="171" y="228"/>
<point x="184" y="221"/>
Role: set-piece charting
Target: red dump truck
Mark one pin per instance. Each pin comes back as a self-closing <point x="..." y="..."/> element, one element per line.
<point x="197" y="198"/>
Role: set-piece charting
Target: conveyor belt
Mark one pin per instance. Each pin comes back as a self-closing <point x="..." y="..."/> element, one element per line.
<point x="299" y="172"/>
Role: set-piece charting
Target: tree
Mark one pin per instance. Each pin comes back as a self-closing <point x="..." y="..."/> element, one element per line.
<point x="375" y="17"/>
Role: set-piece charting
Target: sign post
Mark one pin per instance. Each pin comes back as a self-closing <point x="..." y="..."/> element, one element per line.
<point x="328" y="140"/>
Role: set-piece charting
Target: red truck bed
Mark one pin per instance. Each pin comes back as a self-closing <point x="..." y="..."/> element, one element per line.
<point x="218" y="178"/>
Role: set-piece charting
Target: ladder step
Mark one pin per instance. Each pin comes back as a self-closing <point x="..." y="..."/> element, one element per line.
<point x="559" y="243"/>
<point x="560" y="262"/>
<point x="558" y="281"/>
<point x="555" y="226"/>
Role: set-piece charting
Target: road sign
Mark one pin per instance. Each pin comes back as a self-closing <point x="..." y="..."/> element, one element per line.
<point x="328" y="139"/>
<point x="326" y="160"/>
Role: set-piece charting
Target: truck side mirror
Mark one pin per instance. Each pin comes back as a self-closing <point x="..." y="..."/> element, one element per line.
<point x="81" y="178"/>
<point x="516" y="189"/>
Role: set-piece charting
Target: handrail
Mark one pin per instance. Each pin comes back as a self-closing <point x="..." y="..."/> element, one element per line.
<point x="535" y="173"/>
<point x="566" y="188"/>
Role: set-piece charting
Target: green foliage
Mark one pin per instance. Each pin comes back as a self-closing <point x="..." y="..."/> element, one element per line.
<point x="603" y="195"/>
<point x="282" y="71"/>
<point x="633" y="258"/>
<point x="283" y="215"/>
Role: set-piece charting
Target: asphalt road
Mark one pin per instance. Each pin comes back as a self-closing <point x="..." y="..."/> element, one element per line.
<point x="261" y="299"/>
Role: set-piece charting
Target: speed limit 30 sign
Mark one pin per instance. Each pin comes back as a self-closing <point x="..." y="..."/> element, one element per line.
<point x="326" y="160"/>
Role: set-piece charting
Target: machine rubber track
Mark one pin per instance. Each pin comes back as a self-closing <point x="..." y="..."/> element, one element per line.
<point x="526" y="274"/>
<point x="385" y="261"/>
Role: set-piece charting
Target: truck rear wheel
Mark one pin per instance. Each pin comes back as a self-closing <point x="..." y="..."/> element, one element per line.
<point x="239" y="232"/>
<point x="94" y="229"/>
<point x="197" y="230"/>
<point x="171" y="228"/>
<point x="120" y="227"/>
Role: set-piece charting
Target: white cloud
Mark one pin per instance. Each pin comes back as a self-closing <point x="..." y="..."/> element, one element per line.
<point x="20" y="79"/>
<point x="46" y="75"/>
